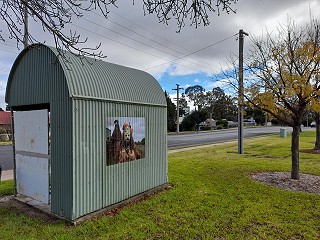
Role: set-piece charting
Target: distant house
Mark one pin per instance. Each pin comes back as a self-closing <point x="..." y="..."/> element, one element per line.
<point x="5" y="121"/>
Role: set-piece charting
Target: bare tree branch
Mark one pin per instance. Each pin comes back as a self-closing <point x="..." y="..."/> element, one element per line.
<point x="197" y="11"/>
<point x="55" y="15"/>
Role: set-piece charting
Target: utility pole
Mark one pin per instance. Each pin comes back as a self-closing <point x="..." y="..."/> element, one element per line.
<point x="240" y="92"/>
<point x="177" y="89"/>
<point x="25" y="15"/>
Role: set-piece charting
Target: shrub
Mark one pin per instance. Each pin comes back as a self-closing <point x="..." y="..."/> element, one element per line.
<point x="220" y="127"/>
<point x="224" y="123"/>
<point x="205" y="128"/>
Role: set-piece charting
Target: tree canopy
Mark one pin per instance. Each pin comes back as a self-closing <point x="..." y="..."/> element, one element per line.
<point x="191" y="122"/>
<point x="196" y="95"/>
<point x="183" y="105"/>
<point x="221" y="105"/>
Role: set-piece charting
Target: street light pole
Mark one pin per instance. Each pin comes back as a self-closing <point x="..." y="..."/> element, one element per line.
<point x="240" y="92"/>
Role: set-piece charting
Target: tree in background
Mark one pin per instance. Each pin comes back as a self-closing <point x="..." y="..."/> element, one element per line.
<point x="183" y="105"/>
<point x="191" y="122"/>
<point x="220" y="105"/>
<point x="256" y="113"/>
<point x="55" y="16"/>
<point x="196" y="95"/>
<point x="171" y="114"/>
<point x="284" y="69"/>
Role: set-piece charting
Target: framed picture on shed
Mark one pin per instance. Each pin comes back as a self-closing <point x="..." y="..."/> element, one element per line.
<point x="125" y="139"/>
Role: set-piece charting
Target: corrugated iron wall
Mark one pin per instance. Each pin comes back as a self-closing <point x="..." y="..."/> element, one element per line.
<point x="79" y="101"/>
<point x="98" y="185"/>
<point x="38" y="80"/>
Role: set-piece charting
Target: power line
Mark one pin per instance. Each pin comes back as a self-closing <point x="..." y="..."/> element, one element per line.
<point x="129" y="46"/>
<point x="150" y="39"/>
<point x="157" y="35"/>
<point x="142" y="42"/>
<point x="211" y="45"/>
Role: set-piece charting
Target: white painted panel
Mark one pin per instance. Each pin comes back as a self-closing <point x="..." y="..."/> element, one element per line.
<point x="31" y="131"/>
<point x="32" y="175"/>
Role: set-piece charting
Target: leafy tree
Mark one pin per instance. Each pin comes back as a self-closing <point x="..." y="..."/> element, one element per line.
<point x="196" y="95"/>
<point x="223" y="123"/>
<point x="183" y="105"/>
<point x="56" y="15"/>
<point x="285" y="68"/>
<point x="171" y="114"/>
<point x="221" y="105"/>
<point x="256" y="113"/>
<point x="191" y="122"/>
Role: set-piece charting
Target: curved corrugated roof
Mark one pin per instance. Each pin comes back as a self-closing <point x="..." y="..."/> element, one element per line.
<point x="96" y="79"/>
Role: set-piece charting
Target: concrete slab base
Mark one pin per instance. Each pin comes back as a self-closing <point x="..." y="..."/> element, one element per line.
<point x="46" y="208"/>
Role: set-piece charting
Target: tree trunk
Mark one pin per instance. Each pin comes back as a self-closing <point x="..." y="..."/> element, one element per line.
<point x="317" y="119"/>
<point x="295" y="169"/>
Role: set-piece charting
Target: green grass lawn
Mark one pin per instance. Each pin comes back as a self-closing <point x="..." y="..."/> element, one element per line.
<point x="212" y="197"/>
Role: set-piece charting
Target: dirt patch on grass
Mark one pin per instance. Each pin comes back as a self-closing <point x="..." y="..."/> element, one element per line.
<point x="307" y="183"/>
<point x="23" y="209"/>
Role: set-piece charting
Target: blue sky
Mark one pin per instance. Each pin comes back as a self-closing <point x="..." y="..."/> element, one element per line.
<point x="190" y="57"/>
<point x="168" y="82"/>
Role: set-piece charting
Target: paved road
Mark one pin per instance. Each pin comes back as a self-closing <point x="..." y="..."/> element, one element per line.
<point x="183" y="140"/>
<point x="6" y="157"/>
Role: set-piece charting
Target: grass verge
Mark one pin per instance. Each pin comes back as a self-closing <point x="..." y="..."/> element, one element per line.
<point x="6" y="188"/>
<point x="212" y="197"/>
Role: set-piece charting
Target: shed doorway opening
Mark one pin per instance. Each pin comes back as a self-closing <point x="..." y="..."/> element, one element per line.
<point x="32" y="158"/>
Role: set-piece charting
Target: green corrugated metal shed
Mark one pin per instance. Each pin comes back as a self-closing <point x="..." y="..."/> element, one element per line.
<point x="82" y="96"/>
